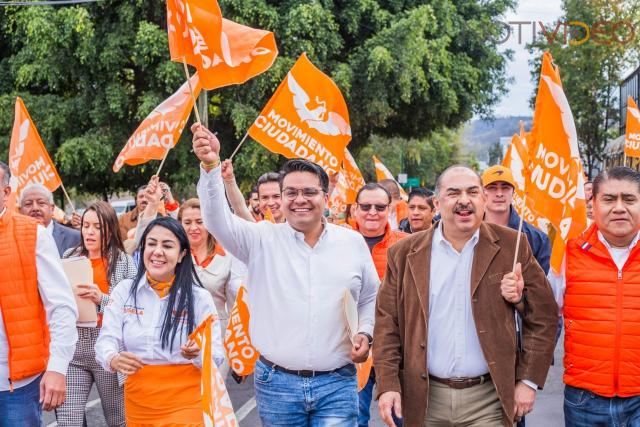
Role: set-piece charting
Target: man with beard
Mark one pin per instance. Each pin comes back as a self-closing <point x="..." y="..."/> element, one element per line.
<point x="36" y="201"/>
<point x="129" y="220"/>
<point x="300" y="273"/>
<point x="254" y="204"/>
<point x="444" y="313"/>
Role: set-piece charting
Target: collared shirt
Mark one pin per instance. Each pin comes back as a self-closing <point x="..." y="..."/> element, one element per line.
<point x="453" y="346"/>
<point x="135" y="327"/>
<point x="60" y="308"/>
<point x="295" y="291"/>
<point x="49" y="228"/>
<point x="619" y="255"/>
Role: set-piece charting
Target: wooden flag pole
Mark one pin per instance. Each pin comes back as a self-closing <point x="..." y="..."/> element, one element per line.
<point x="624" y="161"/>
<point x="239" y="145"/>
<point x="515" y="258"/>
<point x="195" y="108"/>
<point x="73" y="208"/>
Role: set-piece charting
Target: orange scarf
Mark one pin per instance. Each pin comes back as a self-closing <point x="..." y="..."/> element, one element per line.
<point x="161" y="288"/>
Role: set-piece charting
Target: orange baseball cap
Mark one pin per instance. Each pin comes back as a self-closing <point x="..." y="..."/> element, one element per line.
<point x="497" y="173"/>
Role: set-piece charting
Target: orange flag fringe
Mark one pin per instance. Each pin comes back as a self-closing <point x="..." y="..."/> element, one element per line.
<point x="556" y="190"/>
<point x="242" y="355"/>
<point x="29" y="161"/>
<point x="161" y="130"/>
<point x="306" y="117"/>
<point x="216" y="404"/>
<point x="632" y="134"/>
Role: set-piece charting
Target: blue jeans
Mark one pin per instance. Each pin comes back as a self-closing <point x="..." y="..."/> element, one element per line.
<point x="290" y="400"/>
<point x="364" y="403"/>
<point x="22" y="406"/>
<point x="585" y="409"/>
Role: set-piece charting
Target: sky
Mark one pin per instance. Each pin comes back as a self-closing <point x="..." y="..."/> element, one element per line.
<point x="516" y="102"/>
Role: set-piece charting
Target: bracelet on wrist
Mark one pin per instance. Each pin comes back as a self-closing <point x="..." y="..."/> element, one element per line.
<point x="210" y="165"/>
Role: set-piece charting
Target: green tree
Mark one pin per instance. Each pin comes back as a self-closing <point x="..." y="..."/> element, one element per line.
<point x="592" y="70"/>
<point x="89" y="74"/>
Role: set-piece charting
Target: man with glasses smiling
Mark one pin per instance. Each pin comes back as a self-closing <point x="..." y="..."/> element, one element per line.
<point x="373" y="203"/>
<point x="298" y="274"/>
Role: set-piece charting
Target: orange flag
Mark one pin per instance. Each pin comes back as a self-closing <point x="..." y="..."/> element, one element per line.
<point x="224" y="52"/>
<point x="632" y="135"/>
<point x="161" y="129"/>
<point x="338" y="198"/>
<point x="268" y="216"/>
<point x="216" y="404"/>
<point x="557" y="179"/>
<point x="354" y="178"/>
<point x="29" y="161"/>
<point x="306" y="117"/>
<point x="383" y="173"/>
<point x="242" y="355"/>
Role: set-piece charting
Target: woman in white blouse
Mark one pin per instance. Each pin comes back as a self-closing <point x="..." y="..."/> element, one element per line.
<point x="146" y="327"/>
<point x="212" y="264"/>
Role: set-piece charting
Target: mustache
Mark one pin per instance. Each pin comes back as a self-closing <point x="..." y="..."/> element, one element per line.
<point x="468" y="207"/>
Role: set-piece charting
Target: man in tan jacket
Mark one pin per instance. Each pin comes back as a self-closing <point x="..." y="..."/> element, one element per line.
<point x="445" y="351"/>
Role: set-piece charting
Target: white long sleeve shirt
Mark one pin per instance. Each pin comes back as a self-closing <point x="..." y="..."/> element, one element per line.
<point x="295" y="291"/>
<point x="135" y="327"/>
<point x="60" y="308"/>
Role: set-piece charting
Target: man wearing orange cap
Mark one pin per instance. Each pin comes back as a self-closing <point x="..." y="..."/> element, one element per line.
<point x="499" y="186"/>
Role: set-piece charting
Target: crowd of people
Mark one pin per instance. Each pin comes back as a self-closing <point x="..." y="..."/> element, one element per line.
<point x="460" y="319"/>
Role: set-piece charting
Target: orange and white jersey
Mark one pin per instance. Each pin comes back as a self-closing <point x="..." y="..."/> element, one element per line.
<point x="135" y="326"/>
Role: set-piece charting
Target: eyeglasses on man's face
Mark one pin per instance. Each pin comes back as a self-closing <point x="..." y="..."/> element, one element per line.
<point x="308" y="192"/>
<point x="367" y="207"/>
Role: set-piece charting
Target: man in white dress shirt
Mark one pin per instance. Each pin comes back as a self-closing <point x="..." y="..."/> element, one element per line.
<point x="298" y="274"/>
<point x="37" y="318"/>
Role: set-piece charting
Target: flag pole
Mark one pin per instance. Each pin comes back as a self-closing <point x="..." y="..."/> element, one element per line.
<point x="73" y="208"/>
<point x="239" y="145"/>
<point x="195" y="109"/>
<point x="515" y="258"/>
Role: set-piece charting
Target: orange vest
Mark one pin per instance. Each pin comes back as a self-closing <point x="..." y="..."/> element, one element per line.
<point x="402" y="210"/>
<point x="379" y="252"/>
<point x="22" y="309"/>
<point x="602" y="331"/>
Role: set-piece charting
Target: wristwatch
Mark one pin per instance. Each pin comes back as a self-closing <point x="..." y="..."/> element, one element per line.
<point x="369" y="337"/>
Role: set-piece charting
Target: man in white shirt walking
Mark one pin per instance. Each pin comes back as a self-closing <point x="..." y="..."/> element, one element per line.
<point x="37" y="318"/>
<point x="298" y="274"/>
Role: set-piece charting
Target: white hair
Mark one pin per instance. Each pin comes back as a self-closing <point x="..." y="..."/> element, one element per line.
<point x="38" y="187"/>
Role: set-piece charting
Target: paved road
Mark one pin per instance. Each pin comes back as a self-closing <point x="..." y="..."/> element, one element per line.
<point x="547" y="412"/>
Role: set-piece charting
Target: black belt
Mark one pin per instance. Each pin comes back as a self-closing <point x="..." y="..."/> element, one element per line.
<point x="301" y="373"/>
<point x="461" y="383"/>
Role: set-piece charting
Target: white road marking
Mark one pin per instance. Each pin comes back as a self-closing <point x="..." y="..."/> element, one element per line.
<point x="246" y="409"/>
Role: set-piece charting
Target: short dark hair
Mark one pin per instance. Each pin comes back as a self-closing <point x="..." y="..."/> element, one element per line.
<point x="620" y="173"/>
<point x="302" y="165"/>
<point x="254" y="189"/>
<point x="266" y="178"/>
<point x="424" y="193"/>
<point x="6" y="173"/>
<point x="444" y="172"/>
<point x="141" y="188"/>
<point x="371" y="187"/>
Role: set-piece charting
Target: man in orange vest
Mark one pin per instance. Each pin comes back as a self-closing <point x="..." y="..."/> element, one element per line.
<point x="602" y="307"/>
<point x="34" y="292"/>
<point x="373" y="203"/>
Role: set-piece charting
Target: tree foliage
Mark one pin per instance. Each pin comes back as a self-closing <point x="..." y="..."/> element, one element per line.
<point x="89" y="74"/>
<point x="592" y="70"/>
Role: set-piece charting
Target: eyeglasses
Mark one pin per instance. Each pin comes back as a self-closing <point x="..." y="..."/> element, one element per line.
<point x="367" y="207"/>
<point x="307" y="193"/>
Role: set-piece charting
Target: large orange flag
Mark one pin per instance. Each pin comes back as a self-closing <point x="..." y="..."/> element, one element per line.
<point x="338" y="199"/>
<point x="161" y="130"/>
<point x="353" y="176"/>
<point x="224" y="52"/>
<point x="306" y="117"/>
<point x="216" y="404"/>
<point x="29" y="161"/>
<point x="632" y="135"/>
<point x="383" y="173"/>
<point x="242" y="355"/>
<point x="557" y="179"/>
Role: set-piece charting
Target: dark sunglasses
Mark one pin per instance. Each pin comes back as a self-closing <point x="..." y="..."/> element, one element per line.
<point x="367" y="207"/>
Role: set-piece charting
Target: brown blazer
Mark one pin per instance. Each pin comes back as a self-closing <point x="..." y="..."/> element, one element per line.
<point x="402" y="320"/>
<point x="127" y="221"/>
